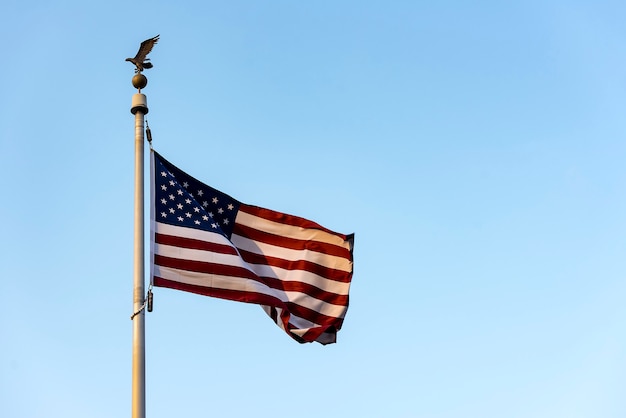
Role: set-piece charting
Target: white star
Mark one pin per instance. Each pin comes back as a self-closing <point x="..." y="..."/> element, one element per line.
<point x="214" y="225"/>
<point x="205" y="203"/>
<point x="196" y="209"/>
<point x="180" y="192"/>
<point x="187" y="214"/>
<point x="188" y="201"/>
<point x="163" y="187"/>
<point x="163" y="214"/>
<point x="172" y="197"/>
<point x="210" y="214"/>
<point x="172" y="210"/>
<point x="205" y="218"/>
<point x="164" y="201"/>
<point x="163" y="173"/>
<point x="197" y="222"/>
<point x="231" y="206"/>
<point x="179" y="206"/>
<point x="185" y="184"/>
<point x="226" y="221"/>
<point x="220" y="211"/>
<point x="172" y="183"/>
<point x="180" y="218"/>
<point x="214" y="200"/>
<point x="200" y="192"/>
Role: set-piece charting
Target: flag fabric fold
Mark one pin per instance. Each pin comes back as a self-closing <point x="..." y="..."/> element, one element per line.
<point x="206" y="242"/>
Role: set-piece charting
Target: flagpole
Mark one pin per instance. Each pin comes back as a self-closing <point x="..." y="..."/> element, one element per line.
<point x="139" y="109"/>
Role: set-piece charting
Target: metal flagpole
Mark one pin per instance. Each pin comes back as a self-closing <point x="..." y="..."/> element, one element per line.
<point x="139" y="109"/>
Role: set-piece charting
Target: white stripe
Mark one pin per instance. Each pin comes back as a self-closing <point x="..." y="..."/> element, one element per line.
<point x="326" y="260"/>
<point x="261" y="270"/>
<point x="302" y="325"/>
<point x="301" y="276"/>
<point x="307" y="301"/>
<point x="301" y="322"/>
<point x="255" y="247"/>
<point x="296" y="232"/>
<point x="186" y="232"/>
<point x="181" y="253"/>
<point x="246" y="285"/>
<point x="213" y="281"/>
<point x="299" y="331"/>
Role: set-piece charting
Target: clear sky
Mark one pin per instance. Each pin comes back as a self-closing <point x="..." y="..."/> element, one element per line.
<point x="476" y="149"/>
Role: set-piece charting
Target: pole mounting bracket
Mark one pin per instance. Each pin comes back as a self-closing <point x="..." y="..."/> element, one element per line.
<point x="146" y="302"/>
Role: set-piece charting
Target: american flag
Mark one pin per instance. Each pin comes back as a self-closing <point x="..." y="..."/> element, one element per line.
<point x="206" y="242"/>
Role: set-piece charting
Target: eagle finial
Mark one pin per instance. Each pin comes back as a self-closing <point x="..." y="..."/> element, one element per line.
<point x="140" y="60"/>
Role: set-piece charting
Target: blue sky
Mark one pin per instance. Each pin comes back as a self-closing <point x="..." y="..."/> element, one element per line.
<point x="475" y="149"/>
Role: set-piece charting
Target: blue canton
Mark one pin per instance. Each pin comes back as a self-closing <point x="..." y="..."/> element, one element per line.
<point x="182" y="200"/>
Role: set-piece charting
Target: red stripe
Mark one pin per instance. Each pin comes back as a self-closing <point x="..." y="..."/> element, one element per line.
<point x="205" y="267"/>
<point x="324" y="321"/>
<point x="236" y="295"/>
<point x="292" y="243"/>
<point x="286" y="219"/>
<point x="309" y="290"/>
<point x="312" y="334"/>
<point x="194" y="244"/>
<point x="305" y="265"/>
<point x="313" y="316"/>
<point x="235" y="271"/>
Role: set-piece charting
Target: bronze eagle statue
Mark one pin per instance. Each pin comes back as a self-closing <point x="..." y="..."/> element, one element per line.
<point x="140" y="60"/>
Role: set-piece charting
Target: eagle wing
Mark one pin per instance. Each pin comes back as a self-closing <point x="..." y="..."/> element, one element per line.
<point x="145" y="48"/>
